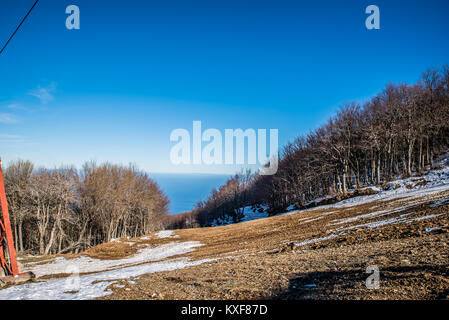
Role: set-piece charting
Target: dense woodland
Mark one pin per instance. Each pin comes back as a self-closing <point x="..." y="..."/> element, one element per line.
<point x="63" y="210"/>
<point x="397" y="133"/>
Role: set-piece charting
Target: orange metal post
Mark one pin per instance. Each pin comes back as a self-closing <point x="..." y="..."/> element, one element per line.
<point x="7" y="228"/>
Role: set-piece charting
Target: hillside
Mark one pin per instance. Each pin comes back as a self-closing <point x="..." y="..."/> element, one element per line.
<point x="317" y="253"/>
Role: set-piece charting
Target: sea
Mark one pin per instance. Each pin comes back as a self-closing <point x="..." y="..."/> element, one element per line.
<point x="185" y="190"/>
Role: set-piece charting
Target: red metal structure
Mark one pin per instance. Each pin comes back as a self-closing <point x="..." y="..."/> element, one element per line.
<point x="8" y="259"/>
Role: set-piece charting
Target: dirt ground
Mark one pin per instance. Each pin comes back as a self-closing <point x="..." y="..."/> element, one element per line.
<point x="269" y="258"/>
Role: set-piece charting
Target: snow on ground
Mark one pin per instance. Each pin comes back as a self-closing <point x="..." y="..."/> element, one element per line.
<point x="432" y="183"/>
<point x="433" y="229"/>
<point x="403" y="218"/>
<point x="436" y="181"/>
<point x="440" y="203"/>
<point x="371" y="215"/>
<point x="430" y="216"/>
<point x="166" y="234"/>
<point x="90" y="277"/>
<point x="331" y="236"/>
<point x="313" y="219"/>
<point x="380" y="223"/>
<point x="248" y="215"/>
<point x="86" y="264"/>
<point x="88" y="286"/>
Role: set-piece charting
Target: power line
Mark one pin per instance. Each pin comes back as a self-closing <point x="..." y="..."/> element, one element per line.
<point x="24" y="18"/>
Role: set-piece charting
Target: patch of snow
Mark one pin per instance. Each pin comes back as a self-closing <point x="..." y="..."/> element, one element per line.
<point x="331" y="236"/>
<point x="374" y="224"/>
<point x="248" y="215"/>
<point x="406" y="214"/>
<point x="401" y="219"/>
<point x="430" y="216"/>
<point x="440" y="203"/>
<point x="370" y="215"/>
<point x="313" y="219"/>
<point x="86" y="264"/>
<point x="166" y="234"/>
<point x="433" y="229"/>
<point x="237" y="251"/>
<point x="327" y="213"/>
<point x="88" y="286"/>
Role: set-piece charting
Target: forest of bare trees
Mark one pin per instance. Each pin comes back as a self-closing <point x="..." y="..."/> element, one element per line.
<point x="63" y="210"/>
<point x="396" y="133"/>
<point x="226" y="202"/>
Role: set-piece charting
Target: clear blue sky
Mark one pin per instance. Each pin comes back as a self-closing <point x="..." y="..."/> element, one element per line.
<point x="136" y="70"/>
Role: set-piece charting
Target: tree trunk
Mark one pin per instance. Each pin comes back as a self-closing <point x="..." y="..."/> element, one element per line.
<point x="20" y="236"/>
<point x="378" y="170"/>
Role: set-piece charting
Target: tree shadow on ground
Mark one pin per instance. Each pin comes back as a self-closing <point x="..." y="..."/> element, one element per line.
<point x="402" y="282"/>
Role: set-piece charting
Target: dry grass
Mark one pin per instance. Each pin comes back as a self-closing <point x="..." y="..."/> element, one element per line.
<point x="111" y="250"/>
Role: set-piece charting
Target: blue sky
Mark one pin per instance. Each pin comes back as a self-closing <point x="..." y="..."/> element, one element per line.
<point x="136" y="70"/>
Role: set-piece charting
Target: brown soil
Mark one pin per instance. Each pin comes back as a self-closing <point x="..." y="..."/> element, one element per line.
<point x="259" y="259"/>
